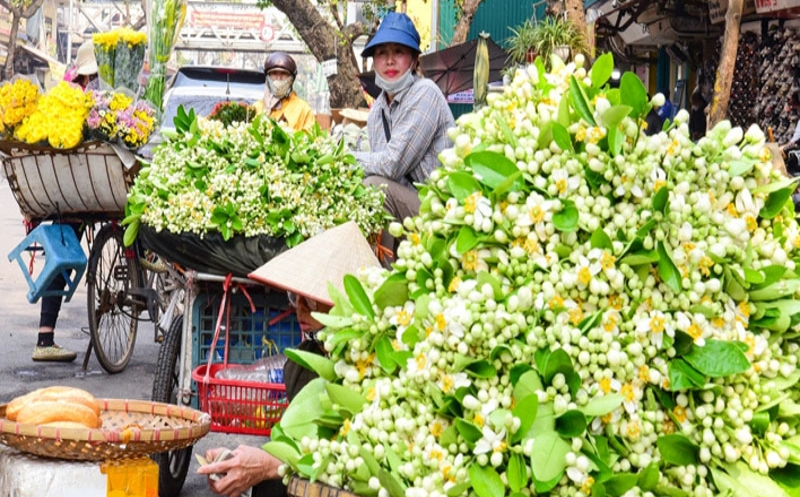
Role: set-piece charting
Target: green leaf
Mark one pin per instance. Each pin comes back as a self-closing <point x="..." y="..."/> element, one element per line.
<point x="666" y="269"/>
<point x="548" y="456"/>
<point x="747" y="482"/>
<point x="788" y="478"/>
<point x="369" y="459"/>
<point x="358" y="297"/>
<point x="615" y="140"/>
<point x="633" y="93"/>
<point x="571" y="424"/>
<point x="601" y="240"/>
<point x="740" y="167"/>
<point x="566" y="219"/>
<point x="526" y="410"/>
<point x="641" y="257"/>
<point x="467" y="240"/>
<point x="648" y="477"/>
<point x="298" y="420"/>
<point x="529" y="383"/>
<point x="484" y="278"/>
<point x="391" y="483"/>
<point x="558" y="361"/>
<point x="562" y="137"/>
<point x="660" y="199"/>
<point x="562" y="117"/>
<point x="462" y="185"/>
<point x="682" y="376"/>
<point x="469" y="431"/>
<point x="613" y="116"/>
<point x="283" y="452"/>
<point x="481" y="369"/>
<point x="776" y="202"/>
<point x="493" y="169"/>
<point x="509" y="136"/>
<point x="774" y="186"/>
<point x="753" y="276"/>
<point x="131" y="232"/>
<point x="777" y="290"/>
<point x="602" y="69"/>
<point x="620" y="483"/>
<point x="392" y="292"/>
<point x="313" y="362"/>
<point x="385" y="352"/>
<point x="459" y="488"/>
<point x="333" y="321"/>
<point x="677" y="449"/>
<point x="718" y="358"/>
<point x="579" y="101"/>
<point x="600" y="406"/>
<point x="485" y="481"/>
<point x="517" y="472"/>
<point x="646" y="228"/>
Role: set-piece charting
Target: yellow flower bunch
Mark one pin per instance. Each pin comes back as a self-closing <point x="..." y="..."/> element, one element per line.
<point x="120" y="101"/>
<point x="17" y="101"/>
<point x="59" y="118"/>
<point x="113" y="37"/>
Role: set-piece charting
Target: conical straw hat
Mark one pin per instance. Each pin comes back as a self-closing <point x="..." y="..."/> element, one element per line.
<point x="307" y="268"/>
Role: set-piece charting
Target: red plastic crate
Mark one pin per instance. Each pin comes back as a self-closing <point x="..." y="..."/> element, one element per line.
<point x="237" y="406"/>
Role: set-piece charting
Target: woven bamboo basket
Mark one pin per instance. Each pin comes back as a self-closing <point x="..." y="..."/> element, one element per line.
<point x="299" y="487"/>
<point x="89" y="180"/>
<point x="131" y="428"/>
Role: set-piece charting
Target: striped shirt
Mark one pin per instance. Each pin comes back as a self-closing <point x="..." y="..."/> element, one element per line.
<point x="418" y="120"/>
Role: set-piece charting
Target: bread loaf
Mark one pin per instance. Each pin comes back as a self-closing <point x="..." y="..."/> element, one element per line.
<point x="54" y="404"/>
<point x="39" y="412"/>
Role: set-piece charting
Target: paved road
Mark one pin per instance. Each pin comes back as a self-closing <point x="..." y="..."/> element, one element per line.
<point x="18" y="328"/>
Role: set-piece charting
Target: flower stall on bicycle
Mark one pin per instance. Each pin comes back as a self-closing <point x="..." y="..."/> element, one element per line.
<point x="220" y="198"/>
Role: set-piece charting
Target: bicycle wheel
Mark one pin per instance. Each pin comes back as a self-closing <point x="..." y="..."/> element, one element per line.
<point x="113" y="313"/>
<point x="172" y="466"/>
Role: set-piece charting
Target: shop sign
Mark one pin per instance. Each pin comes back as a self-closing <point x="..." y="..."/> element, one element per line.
<point x="773" y="6"/>
<point x="226" y="20"/>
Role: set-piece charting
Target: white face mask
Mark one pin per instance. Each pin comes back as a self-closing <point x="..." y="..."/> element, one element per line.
<point x="396" y="86"/>
<point x="279" y="88"/>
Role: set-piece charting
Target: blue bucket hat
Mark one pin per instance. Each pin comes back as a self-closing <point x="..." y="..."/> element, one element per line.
<point x="395" y="28"/>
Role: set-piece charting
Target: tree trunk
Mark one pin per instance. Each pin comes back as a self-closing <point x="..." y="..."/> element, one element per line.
<point x="727" y="63"/>
<point x="325" y="44"/>
<point x="17" y="14"/>
<point x="576" y="14"/>
<point x="8" y="70"/>
<point x="468" y="9"/>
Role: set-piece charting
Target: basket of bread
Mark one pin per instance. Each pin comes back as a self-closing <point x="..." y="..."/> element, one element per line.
<point x="70" y="423"/>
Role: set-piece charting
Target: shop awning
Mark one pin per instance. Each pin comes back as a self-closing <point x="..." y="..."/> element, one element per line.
<point x="39" y="54"/>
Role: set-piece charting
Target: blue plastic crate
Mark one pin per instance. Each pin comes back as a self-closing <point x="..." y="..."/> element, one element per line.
<point x="251" y="337"/>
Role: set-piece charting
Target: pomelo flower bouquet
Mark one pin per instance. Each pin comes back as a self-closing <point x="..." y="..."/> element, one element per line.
<point x="579" y="309"/>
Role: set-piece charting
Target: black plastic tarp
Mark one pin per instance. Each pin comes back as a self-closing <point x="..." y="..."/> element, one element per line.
<point x="240" y="255"/>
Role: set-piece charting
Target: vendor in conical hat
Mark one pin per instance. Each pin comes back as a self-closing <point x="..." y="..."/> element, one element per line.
<point x="305" y="272"/>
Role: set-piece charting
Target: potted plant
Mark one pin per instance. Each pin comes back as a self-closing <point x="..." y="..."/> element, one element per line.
<point x="559" y="36"/>
<point x="522" y="43"/>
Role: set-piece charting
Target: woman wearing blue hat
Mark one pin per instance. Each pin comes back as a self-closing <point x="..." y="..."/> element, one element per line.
<point x="408" y="123"/>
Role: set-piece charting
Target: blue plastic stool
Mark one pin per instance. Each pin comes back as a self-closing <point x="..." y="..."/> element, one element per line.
<point x="63" y="255"/>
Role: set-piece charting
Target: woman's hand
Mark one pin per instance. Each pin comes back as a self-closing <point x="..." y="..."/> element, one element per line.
<point x="247" y="467"/>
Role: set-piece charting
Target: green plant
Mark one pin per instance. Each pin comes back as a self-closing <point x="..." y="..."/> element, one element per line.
<point x="521" y="44"/>
<point x="555" y="32"/>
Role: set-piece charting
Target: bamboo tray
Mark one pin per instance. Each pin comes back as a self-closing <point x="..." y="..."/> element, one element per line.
<point x="90" y="179"/>
<point x="299" y="487"/>
<point x="131" y="428"/>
